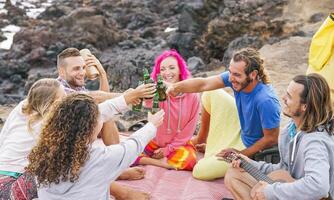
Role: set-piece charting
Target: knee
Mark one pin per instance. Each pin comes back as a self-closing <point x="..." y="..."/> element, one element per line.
<point x="231" y="176"/>
<point x="199" y="173"/>
<point x="208" y="171"/>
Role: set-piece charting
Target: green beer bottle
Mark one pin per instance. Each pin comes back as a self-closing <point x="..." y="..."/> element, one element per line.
<point x="147" y="78"/>
<point x="155" y="106"/>
<point x="138" y="107"/>
<point x="161" y="89"/>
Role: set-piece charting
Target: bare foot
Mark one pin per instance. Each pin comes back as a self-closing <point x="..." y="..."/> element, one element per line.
<point x="121" y="192"/>
<point x="132" y="173"/>
<point x="159" y="163"/>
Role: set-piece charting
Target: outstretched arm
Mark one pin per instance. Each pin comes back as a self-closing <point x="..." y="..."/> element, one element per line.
<point x="101" y="96"/>
<point x="196" y="85"/>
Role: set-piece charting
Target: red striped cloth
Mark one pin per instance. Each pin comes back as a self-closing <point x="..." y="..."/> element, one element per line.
<point x="182" y="158"/>
<point x="163" y="184"/>
<point x="22" y="188"/>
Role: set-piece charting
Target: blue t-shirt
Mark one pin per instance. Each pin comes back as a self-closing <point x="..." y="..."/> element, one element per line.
<point x="258" y="110"/>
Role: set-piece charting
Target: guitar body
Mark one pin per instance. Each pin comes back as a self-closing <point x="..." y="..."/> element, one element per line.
<point x="281" y="176"/>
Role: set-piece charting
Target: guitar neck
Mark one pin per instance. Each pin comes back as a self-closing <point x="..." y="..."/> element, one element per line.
<point x="254" y="172"/>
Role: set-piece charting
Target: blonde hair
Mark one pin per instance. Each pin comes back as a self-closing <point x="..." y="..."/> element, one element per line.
<point x="41" y="96"/>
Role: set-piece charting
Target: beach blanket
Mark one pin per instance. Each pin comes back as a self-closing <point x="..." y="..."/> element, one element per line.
<point x="163" y="184"/>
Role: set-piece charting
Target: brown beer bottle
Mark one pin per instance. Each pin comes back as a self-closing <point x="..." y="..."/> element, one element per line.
<point x="161" y="89"/>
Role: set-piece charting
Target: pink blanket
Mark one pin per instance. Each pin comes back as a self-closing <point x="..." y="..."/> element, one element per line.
<point x="165" y="184"/>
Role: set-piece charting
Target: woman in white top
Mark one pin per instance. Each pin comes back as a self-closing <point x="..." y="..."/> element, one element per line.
<point x="67" y="162"/>
<point x="20" y="134"/>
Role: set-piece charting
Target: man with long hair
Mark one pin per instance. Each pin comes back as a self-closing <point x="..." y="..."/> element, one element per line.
<point x="257" y="104"/>
<point x="306" y="148"/>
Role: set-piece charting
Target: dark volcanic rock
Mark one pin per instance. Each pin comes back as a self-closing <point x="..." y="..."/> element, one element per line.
<point x="127" y="35"/>
<point x="239" y="43"/>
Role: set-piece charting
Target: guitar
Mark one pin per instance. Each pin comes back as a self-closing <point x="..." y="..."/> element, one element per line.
<point x="275" y="176"/>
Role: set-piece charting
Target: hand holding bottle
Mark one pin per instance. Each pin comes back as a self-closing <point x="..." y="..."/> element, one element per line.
<point x="157" y="118"/>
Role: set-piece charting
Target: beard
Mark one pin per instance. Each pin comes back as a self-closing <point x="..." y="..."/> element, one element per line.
<point x="296" y="113"/>
<point x="245" y="83"/>
<point x="74" y="83"/>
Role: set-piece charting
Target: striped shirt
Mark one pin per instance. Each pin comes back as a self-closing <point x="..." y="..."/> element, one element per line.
<point x="69" y="89"/>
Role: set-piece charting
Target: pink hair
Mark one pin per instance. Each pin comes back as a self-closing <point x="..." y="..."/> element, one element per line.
<point x="184" y="72"/>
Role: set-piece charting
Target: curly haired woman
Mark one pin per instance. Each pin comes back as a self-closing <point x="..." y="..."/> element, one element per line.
<point x="173" y="137"/>
<point x="66" y="161"/>
<point x="19" y="135"/>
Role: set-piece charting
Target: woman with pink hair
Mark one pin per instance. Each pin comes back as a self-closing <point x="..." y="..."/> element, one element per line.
<point x="172" y="141"/>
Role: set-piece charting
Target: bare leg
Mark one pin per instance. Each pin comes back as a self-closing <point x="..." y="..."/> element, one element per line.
<point x="132" y="173"/>
<point x="125" y="193"/>
<point x="155" y="162"/>
<point x="239" y="183"/>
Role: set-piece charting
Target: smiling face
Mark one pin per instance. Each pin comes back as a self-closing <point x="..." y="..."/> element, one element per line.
<point x="292" y="105"/>
<point x="169" y="70"/>
<point x="73" y="71"/>
<point x="238" y="76"/>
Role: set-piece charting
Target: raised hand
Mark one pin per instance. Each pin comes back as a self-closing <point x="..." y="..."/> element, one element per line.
<point x="134" y="96"/>
<point x="157" y="118"/>
<point x="171" y="91"/>
<point x="92" y="60"/>
<point x="146" y="90"/>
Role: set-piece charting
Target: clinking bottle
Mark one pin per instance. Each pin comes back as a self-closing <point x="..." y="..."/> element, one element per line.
<point x="138" y="107"/>
<point x="161" y="89"/>
<point x="155" y="106"/>
<point x="147" y="78"/>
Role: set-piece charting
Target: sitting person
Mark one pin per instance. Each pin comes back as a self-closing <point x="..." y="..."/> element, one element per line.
<point x="71" y="69"/>
<point x="306" y="148"/>
<point x="216" y="134"/>
<point x="67" y="163"/>
<point x="19" y="134"/>
<point x="173" y="136"/>
<point x="257" y="104"/>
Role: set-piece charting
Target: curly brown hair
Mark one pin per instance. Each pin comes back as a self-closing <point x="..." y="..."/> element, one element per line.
<point x="253" y="62"/>
<point x="65" y="140"/>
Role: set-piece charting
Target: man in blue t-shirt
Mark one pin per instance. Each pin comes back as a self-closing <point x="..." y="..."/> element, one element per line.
<point x="257" y="104"/>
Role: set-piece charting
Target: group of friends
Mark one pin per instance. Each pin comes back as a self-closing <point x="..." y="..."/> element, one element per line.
<point x="49" y="147"/>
